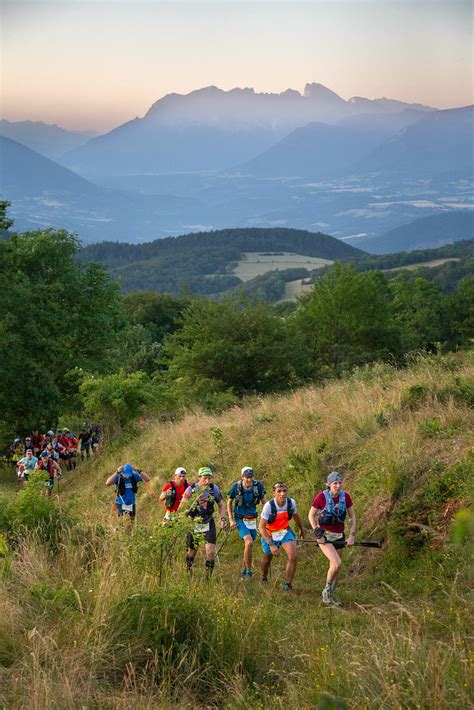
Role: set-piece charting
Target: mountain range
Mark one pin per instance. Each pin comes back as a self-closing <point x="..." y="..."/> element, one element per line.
<point x="212" y="129"/>
<point x="215" y="159"/>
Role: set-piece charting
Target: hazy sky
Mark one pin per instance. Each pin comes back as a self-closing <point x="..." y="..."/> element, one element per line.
<point x="97" y="64"/>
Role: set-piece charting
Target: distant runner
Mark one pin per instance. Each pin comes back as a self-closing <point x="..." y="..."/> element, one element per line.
<point x="326" y="516"/>
<point x="126" y="480"/>
<point x="204" y="495"/>
<point x="48" y="464"/>
<point x="30" y="461"/>
<point x="246" y="494"/>
<point x="173" y="491"/>
<point x="274" y="527"/>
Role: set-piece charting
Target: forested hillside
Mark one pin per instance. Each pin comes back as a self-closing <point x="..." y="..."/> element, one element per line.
<point x="180" y="263"/>
<point x="92" y="353"/>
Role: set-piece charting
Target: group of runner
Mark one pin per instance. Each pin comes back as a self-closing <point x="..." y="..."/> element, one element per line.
<point x="51" y="451"/>
<point x="327" y="516"/>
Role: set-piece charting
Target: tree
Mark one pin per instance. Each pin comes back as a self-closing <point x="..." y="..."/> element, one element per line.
<point x="232" y="346"/>
<point x="417" y="308"/>
<point x="159" y="313"/>
<point x="345" y="320"/>
<point x="117" y="399"/>
<point x="55" y="315"/>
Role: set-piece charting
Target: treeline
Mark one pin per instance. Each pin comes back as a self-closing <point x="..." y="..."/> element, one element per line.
<point x="202" y="263"/>
<point x="71" y="345"/>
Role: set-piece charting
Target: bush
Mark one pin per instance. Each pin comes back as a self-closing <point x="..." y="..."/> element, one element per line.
<point x="200" y="634"/>
<point x="30" y="509"/>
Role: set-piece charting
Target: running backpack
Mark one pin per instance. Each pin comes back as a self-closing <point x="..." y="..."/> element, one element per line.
<point x="273" y="513"/>
<point x="121" y="484"/>
<point x="257" y="494"/>
<point x="333" y="513"/>
<point x="171" y="493"/>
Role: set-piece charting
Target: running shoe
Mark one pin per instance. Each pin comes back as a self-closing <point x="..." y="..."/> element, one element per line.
<point x="287" y="587"/>
<point x="326" y="595"/>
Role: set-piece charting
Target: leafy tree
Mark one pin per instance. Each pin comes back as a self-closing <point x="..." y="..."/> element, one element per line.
<point x="159" y="313"/>
<point x="117" y="399"/>
<point x="232" y="346"/>
<point x="417" y="308"/>
<point x="55" y="315"/>
<point x="345" y="320"/>
<point x="458" y="317"/>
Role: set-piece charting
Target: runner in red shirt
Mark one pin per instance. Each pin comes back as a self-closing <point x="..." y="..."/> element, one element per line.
<point x="172" y="492"/>
<point x="326" y="516"/>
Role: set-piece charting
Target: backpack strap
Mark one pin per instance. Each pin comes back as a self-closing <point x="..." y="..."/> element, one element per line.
<point x="273" y="513"/>
<point x="289" y="508"/>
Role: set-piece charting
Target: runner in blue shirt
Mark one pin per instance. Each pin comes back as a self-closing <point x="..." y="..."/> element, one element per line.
<point x="246" y="494"/>
<point x="126" y="480"/>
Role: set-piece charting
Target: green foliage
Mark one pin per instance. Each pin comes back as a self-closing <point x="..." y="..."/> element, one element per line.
<point x="55" y="315"/>
<point x="201" y="629"/>
<point x="414" y="396"/>
<point x="463" y="530"/>
<point x="229" y="348"/>
<point x="117" y="399"/>
<point x="30" y="509"/>
<point x="5" y="222"/>
<point x="53" y="600"/>
<point x="168" y="264"/>
<point x="345" y="320"/>
<point x="416" y="513"/>
<point x="417" y="309"/>
<point x="431" y="428"/>
<point x="158" y="313"/>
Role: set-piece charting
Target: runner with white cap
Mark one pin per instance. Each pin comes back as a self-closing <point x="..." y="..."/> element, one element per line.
<point x="172" y="492"/>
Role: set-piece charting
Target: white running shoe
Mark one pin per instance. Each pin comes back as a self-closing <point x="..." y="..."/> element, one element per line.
<point x="326" y="595"/>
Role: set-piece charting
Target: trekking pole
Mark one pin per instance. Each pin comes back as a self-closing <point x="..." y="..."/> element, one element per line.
<point x="224" y="542"/>
<point x="365" y="543"/>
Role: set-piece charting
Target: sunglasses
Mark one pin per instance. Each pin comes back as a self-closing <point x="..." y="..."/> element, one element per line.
<point x="280" y="484"/>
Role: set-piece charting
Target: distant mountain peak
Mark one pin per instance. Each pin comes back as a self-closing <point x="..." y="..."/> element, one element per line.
<point x="319" y="91"/>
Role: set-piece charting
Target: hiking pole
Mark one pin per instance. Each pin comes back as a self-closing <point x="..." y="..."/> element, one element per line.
<point x="224" y="542"/>
<point x="365" y="543"/>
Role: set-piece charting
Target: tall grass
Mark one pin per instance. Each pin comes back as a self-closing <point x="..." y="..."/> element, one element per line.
<point x="91" y="616"/>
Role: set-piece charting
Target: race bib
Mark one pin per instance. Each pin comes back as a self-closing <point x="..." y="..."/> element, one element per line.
<point x="201" y="527"/>
<point x="279" y="535"/>
<point x="332" y="536"/>
<point x="250" y="524"/>
<point x="127" y="508"/>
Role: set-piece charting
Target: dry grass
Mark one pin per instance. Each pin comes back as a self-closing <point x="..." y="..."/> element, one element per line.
<point x="401" y="641"/>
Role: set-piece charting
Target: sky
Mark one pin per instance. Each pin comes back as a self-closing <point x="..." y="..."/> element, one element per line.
<point x="94" y="65"/>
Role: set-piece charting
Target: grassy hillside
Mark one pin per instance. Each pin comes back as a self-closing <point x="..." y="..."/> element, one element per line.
<point x="93" y="618"/>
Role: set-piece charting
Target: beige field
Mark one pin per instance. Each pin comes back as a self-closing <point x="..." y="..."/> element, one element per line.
<point x="295" y="289"/>
<point x="255" y="264"/>
<point x="428" y="264"/>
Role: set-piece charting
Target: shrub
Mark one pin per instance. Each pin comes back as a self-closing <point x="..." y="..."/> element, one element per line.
<point x="414" y="397"/>
<point x="200" y="634"/>
<point x="31" y="510"/>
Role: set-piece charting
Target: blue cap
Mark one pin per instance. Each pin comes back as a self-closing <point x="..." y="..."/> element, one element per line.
<point x="333" y="477"/>
<point x="127" y="469"/>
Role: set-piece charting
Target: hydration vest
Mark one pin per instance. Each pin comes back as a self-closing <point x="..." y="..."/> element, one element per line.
<point x="274" y="511"/>
<point x="171" y="493"/>
<point x="195" y="509"/>
<point x="333" y="513"/>
<point x="121" y="488"/>
<point x="239" y="499"/>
